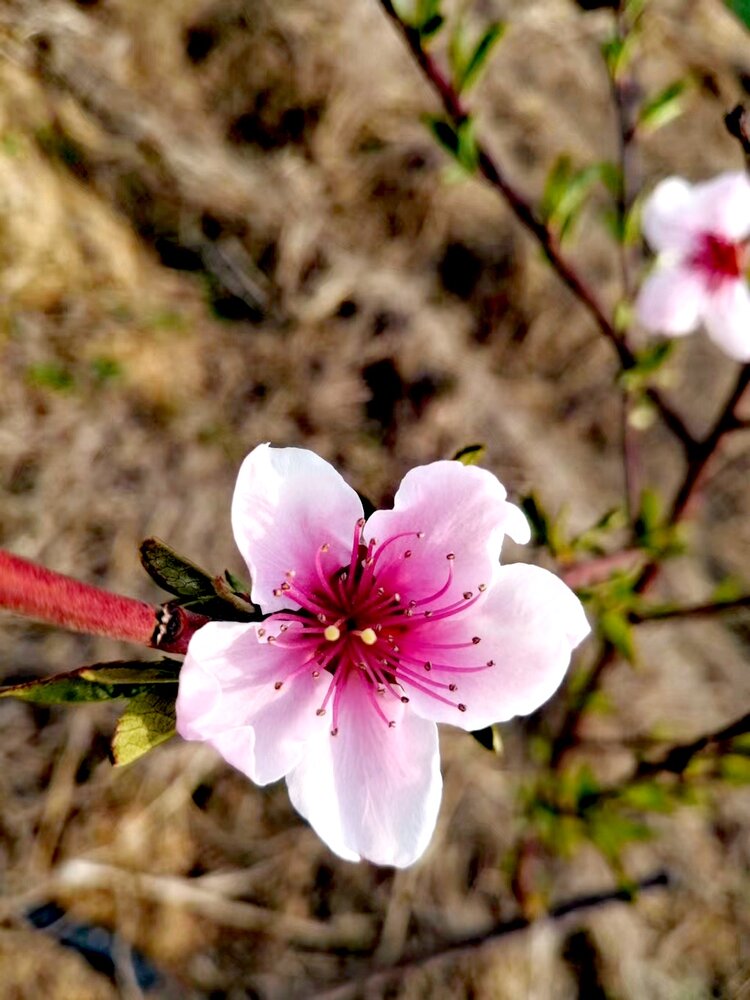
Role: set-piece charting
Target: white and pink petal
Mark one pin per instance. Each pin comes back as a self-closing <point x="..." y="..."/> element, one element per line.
<point x="721" y="206"/>
<point x="671" y="300"/>
<point x="287" y="503"/>
<point x="726" y="315"/>
<point x="528" y="625"/>
<point x="228" y="697"/>
<point x="667" y="221"/>
<point x="371" y="791"/>
<point x="448" y="522"/>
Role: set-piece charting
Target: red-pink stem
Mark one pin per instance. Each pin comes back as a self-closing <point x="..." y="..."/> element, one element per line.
<point x="36" y="592"/>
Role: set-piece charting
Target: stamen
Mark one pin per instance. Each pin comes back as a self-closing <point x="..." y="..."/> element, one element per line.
<point x="367" y="635"/>
<point x="324" y="581"/>
<point x="332" y="633"/>
<point x="438" y="593"/>
<point x="374" y="702"/>
<point x="395" y="538"/>
<point x="356" y="543"/>
<point x="451" y="668"/>
<point x="431" y="692"/>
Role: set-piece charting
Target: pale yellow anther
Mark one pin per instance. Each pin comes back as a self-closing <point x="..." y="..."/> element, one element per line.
<point x="368" y="636"/>
<point x="332" y="633"/>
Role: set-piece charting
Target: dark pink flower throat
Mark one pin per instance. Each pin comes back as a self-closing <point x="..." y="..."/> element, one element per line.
<point x="358" y="621"/>
<point x="719" y="259"/>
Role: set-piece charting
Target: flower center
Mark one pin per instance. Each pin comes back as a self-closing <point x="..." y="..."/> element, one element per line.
<point x="719" y="259"/>
<point x="353" y="620"/>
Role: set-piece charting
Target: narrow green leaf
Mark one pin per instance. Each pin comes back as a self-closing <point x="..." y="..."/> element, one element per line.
<point x="238" y="585"/>
<point x="472" y="454"/>
<point x="140" y="674"/>
<point x="650" y="513"/>
<point x="648" y="362"/>
<point x="99" y="682"/>
<point x="610" y="832"/>
<point x="445" y="134"/>
<point x="740" y="9"/>
<point x="735" y="768"/>
<point x="567" y="190"/>
<point x="663" y="107"/>
<point x="468" y="152"/>
<point x="148" y="721"/>
<point x="431" y="27"/>
<point x="538" y="518"/>
<point x="175" y="573"/>
<point x="615" y="627"/>
<point x="459" y="141"/>
<point x="729" y="589"/>
<point x="617" y="53"/>
<point x="469" y="72"/>
<point x="646" y="796"/>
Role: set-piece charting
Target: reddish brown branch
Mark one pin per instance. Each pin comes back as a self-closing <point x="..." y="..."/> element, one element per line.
<point x="36" y="592"/>
<point x="517" y="202"/>
<point x="521" y="207"/>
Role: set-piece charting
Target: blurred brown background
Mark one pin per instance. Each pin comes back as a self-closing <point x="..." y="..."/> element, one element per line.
<point x="223" y="223"/>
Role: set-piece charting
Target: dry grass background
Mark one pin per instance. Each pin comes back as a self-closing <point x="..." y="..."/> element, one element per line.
<point x="223" y="223"/>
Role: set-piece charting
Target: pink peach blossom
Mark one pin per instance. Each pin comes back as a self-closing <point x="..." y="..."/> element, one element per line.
<point x="376" y="630"/>
<point x="700" y="233"/>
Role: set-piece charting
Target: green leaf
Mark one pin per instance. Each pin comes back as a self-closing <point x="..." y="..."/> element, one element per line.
<point x="646" y="796"/>
<point x="148" y="721"/>
<point x="648" y="362"/>
<point x="459" y="141"/>
<point x="431" y="27"/>
<point x="616" y="628"/>
<point x="617" y="52"/>
<point x="100" y="682"/>
<point x="650" y="514"/>
<point x="593" y="538"/>
<point x="663" y="107"/>
<point x="50" y="375"/>
<point x="740" y="9"/>
<point x="731" y="588"/>
<point x="538" y="518"/>
<point x="547" y="532"/>
<point x="567" y="189"/>
<point x="139" y="674"/>
<point x="490" y="738"/>
<point x="610" y="832"/>
<point x="735" y="768"/>
<point x="174" y="573"/>
<point x="468" y="67"/>
<point x="472" y="454"/>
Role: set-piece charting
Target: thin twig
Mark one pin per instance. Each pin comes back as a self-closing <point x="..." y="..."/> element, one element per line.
<point x="698" y="455"/>
<point x="517" y="202"/>
<point x="677" y="759"/>
<point x="467" y="946"/>
<point x="667" y="612"/>
<point x="625" y="102"/>
<point x="520" y="205"/>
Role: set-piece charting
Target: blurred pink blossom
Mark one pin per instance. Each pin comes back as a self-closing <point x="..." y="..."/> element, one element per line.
<point x="700" y="233"/>
<point x="377" y="630"/>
